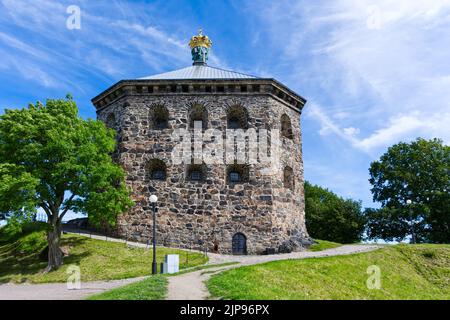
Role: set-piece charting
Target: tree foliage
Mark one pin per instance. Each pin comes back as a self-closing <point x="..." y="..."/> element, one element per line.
<point x="420" y="172"/>
<point x="51" y="158"/>
<point x="330" y="217"/>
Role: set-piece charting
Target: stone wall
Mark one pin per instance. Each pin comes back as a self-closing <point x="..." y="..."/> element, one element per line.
<point x="207" y="213"/>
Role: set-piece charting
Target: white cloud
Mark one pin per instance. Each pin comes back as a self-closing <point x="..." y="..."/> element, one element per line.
<point x="351" y="131"/>
<point x="397" y="128"/>
<point x="381" y="67"/>
<point x="107" y="44"/>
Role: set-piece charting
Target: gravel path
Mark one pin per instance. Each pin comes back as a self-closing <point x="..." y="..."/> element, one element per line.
<point x="191" y="286"/>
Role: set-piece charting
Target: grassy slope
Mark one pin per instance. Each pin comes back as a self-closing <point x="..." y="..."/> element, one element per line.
<point x="320" y="245"/>
<point x="152" y="288"/>
<point x="407" y="272"/>
<point x="98" y="260"/>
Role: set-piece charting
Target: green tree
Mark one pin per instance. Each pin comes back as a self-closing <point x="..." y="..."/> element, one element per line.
<point x="412" y="182"/>
<point x="51" y="158"/>
<point x="329" y="217"/>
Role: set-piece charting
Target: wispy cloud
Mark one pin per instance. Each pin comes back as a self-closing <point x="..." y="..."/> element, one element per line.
<point x="388" y="60"/>
<point x="107" y="45"/>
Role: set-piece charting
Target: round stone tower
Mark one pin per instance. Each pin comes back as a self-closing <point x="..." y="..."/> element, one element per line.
<point x="222" y="150"/>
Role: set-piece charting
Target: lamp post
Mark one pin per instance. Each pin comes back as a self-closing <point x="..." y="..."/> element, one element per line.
<point x="153" y="200"/>
<point x="413" y="234"/>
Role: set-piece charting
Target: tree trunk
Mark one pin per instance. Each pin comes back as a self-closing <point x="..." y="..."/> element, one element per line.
<point x="55" y="255"/>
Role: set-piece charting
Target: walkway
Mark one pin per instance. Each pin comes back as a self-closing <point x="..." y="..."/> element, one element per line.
<point x="191" y="286"/>
<point x="58" y="291"/>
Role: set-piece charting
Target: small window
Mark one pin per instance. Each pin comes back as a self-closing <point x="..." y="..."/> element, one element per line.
<point x="233" y="123"/>
<point x="196" y="175"/>
<point x="196" y="172"/>
<point x="159" y="117"/>
<point x="157" y="169"/>
<point x="160" y="123"/>
<point x="235" y="176"/>
<point x="237" y="173"/>
<point x="159" y="175"/>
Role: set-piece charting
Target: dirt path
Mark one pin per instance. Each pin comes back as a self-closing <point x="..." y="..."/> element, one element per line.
<point x="191" y="286"/>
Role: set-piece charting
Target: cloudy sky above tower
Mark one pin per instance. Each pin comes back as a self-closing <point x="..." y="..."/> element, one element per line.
<point x="374" y="72"/>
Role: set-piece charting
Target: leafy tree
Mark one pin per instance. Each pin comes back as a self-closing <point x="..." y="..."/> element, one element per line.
<point x="329" y="217"/>
<point x="412" y="182"/>
<point x="51" y="158"/>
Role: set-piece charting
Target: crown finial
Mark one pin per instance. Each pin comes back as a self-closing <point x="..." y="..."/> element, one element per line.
<point x="200" y="45"/>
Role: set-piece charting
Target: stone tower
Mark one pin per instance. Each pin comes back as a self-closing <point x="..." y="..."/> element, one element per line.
<point x="225" y="206"/>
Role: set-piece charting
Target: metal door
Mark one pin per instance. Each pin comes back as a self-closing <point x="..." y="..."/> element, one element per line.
<point x="239" y="244"/>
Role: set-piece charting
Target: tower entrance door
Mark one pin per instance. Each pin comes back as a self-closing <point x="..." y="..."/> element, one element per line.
<point x="239" y="244"/>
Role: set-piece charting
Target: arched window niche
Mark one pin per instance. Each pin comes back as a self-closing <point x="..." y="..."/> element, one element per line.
<point x="196" y="172"/>
<point x="159" y="117"/>
<point x="288" y="178"/>
<point x="237" y="173"/>
<point x="237" y="117"/>
<point x="157" y="169"/>
<point x="198" y="112"/>
<point x="286" y="127"/>
<point x="110" y="121"/>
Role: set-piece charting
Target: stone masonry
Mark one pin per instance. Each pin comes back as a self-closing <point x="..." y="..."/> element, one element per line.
<point x="266" y="208"/>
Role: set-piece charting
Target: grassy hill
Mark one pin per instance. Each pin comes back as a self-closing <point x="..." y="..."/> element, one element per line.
<point x="320" y="245"/>
<point x="152" y="288"/>
<point x="97" y="259"/>
<point x="407" y="272"/>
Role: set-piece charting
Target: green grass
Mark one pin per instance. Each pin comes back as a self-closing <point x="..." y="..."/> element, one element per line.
<point x="152" y="288"/>
<point x="204" y="267"/>
<point x="97" y="259"/>
<point x="407" y="272"/>
<point x="320" y="245"/>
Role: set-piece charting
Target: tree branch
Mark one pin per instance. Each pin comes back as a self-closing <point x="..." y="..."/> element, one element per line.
<point x="67" y="207"/>
<point x="46" y="209"/>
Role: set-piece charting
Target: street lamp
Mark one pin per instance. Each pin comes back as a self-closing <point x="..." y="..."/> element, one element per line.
<point x="413" y="234"/>
<point x="153" y="200"/>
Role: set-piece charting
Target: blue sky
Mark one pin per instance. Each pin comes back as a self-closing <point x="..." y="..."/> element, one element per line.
<point x="374" y="72"/>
